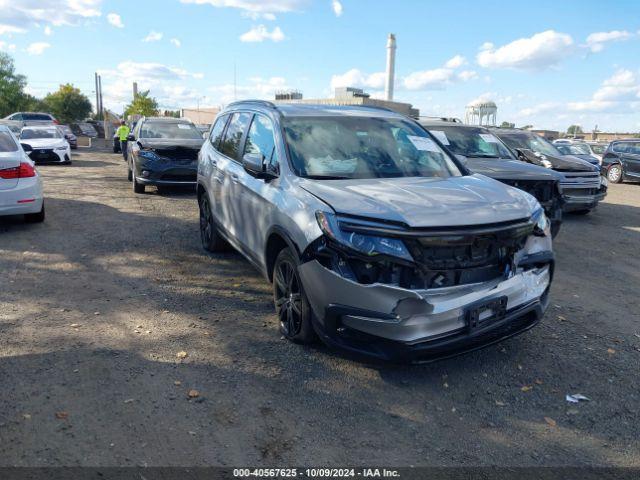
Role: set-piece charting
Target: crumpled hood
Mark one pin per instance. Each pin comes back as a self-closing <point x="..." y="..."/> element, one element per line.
<point x="510" y="169"/>
<point x="565" y="163"/>
<point x="167" y="143"/>
<point x="425" y="202"/>
<point x="36" y="143"/>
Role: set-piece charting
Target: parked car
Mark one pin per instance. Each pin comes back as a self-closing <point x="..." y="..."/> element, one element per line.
<point x="579" y="150"/>
<point x="376" y="239"/>
<point x="621" y="161"/>
<point x="163" y="151"/>
<point x="13" y="125"/>
<point x="484" y="153"/>
<point x="582" y="185"/>
<point x="20" y="184"/>
<point x="84" y="130"/>
<point x="97" y="126"/>
<point x="69" y="136"/>
<point x="47" y="144"/>
<point x="203" y="128"/>
<point x="32" y="118"/>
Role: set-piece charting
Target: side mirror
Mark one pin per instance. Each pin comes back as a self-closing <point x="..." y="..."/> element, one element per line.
<point x="254" y="164"/>
<point x="131" y="138"/>
<point x="26" y="147"/>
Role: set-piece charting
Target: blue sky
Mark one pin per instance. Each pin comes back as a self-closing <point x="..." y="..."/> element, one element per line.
<point x="546" y="63"/>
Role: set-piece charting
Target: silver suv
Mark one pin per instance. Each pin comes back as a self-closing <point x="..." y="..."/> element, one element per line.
<point x="376" y="240"/>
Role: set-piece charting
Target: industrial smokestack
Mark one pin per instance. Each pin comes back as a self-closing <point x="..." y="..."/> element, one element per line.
<point x="391" y="67"/>
<point x="135" y="90"/>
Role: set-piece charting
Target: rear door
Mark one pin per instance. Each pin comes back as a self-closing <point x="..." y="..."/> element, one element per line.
<point x="10" y="155"/>
<point x="631" y="158"/>
<point x="208" y="165"/>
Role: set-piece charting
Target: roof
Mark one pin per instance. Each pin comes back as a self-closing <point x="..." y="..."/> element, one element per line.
<point x="436" y="122"/>
<point x="317" y="110"/>
<point x="166" y="119"/>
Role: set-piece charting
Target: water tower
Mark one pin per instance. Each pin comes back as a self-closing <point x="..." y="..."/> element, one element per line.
<point x="481" y="112"/>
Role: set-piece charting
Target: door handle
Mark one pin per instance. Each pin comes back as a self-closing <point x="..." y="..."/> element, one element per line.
<point x="234" y="178"/>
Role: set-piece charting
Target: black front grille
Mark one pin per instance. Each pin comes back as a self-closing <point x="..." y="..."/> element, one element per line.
<point x="178" y="153"/>
<point x="580" y="191"/>
<point x="543" y="191"/>
<point x="44" y="156"/>
<point x="172" y="177"/>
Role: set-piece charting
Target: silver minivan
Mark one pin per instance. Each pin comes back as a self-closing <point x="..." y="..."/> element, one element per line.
<point x="376" y="240"/>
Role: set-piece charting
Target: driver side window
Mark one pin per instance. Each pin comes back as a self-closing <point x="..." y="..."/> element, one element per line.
<point x="260" y="140"/>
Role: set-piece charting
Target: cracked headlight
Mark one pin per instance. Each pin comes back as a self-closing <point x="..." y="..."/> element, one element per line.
<point x="369" y="245"/>
<point x="148" y="154"/>
<point x="542" y="226"/>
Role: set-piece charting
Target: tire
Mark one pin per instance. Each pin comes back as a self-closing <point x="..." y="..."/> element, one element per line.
<point x="211" y="239"/>
<point x="614" y="173"/>
<point x="129" y="174"/>
<point x="35" y="217"/>
<point x="555" y="229"/>
<point x="292" y="305"/>
<point x="137" y="187"/>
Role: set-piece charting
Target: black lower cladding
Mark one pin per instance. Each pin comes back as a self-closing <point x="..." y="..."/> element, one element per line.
<point x="472" y="337"/>
<point x="44" y="156"/>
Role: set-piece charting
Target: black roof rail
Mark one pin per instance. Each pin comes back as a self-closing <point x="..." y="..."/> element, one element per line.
<point x="265" y="103"/>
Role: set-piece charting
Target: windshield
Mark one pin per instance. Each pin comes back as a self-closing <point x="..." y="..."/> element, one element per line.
<point x="471" y="142"/>
<point x="7" y="143"/>
<point x="530" y="141"/>
<point x="573" y="149"/>
<point x="360" y="147"/>
<point x="183" y="131"/>
<point x="30" y="133"/>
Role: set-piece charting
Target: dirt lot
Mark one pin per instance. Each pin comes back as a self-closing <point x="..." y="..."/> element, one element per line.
<point x="97" y="302"/>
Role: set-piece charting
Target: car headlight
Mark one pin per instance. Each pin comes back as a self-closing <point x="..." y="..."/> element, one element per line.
<point x="542" y="227"/>
<point x="63" y="147"/>
<point x="369" y="245"/>
<point x="148" y="154"/>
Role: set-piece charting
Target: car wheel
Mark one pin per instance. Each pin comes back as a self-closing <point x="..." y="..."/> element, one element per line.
<point x="614" y="173"/>
<point x="137" y="187"/>
<point x="211" y="239"/>
<point x="35" y="217"/>
<point x="292" y="306"/>
<point x="555" y="229"/>
<point x="129" y="174"/>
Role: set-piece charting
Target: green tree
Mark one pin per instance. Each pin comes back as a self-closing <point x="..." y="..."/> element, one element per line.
<point x="574" y="130"/>
<point x="171" y="113"/>
<point x="143" y="105"/>
<point x="526" y="127"/>
<point x="12" y="95"/>
<point x="68" y="104"/>
<point x="507" y="125"/>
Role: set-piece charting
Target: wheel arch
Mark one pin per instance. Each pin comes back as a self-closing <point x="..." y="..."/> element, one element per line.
<point x="277" y="240"/>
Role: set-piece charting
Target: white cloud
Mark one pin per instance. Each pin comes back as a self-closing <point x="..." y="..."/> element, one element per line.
<point x="358" y="79"/>
<point x="153" y="36"/>
<point x="176" y="42"/>
<point x="37" y="48"/>
<point x="260" y="33"/>
<point x="115" y="20"/>
<point x="256" y="8"/>
<point x="435" y="79"/>
<point x="467" y="75"/>
<point x="9" y="47"/>
<point x="256" y="88"/>
<point x="545" y="107"/>
<point x="596" y="41"/>
<point x="19" y="16"/>
<point x="455" y="62"/>
<point x="542" y="50"/>
<point x="48" y="31"/>
<point x="337" y="7"/>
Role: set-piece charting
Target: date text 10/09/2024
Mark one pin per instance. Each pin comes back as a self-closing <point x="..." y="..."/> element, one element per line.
<point x="316" y="473"/>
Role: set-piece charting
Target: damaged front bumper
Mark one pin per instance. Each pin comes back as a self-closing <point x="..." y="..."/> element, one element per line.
<point x="394" y="323"/>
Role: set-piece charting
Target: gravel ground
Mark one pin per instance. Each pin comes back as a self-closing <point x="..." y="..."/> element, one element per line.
<point x="98" y="303"/>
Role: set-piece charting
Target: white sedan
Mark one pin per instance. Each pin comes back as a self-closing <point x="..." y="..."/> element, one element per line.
<point x="47" y="144"/>
<point x="20" y="183"/>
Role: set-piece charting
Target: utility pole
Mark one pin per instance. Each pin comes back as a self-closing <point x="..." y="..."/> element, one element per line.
<point x="97" y="95"/>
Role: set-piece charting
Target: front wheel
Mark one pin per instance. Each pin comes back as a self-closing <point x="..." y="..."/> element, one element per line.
<point x="211" y="239"/>
<point x="290" y="299"/>
<point x="614" y="173"/>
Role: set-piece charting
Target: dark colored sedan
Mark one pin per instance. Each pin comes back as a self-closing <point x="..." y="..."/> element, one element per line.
<point x="83" y="130"/>
<point x="621" y="161"/>
<point x="69" y="135"/>
<point x="163" y="152"/>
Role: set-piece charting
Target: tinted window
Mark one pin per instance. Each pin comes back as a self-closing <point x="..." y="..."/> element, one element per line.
<point x="6" y="143"/>
<point x="29" y="133"/>
<point x="471" y="142"/>
<point x="217" y="131"/>
<point x="260" y="139"/>
<point x="529" y="141"/>
<point x="620" y="147"/>
<point x="36" y="116"/>
<point x="172" y="130"/>
<point x="232" y="138"/>
<point x="363" y="147"/>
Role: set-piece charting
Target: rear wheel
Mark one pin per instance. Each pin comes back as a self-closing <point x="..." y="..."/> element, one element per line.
<point x="211" y="239"/>
<point x="129" y="174"/>
<point x="35" y="217"/>
<point x="290" y="299"/>
<point x="614" y="173"/>
<point x="137" y="187"/>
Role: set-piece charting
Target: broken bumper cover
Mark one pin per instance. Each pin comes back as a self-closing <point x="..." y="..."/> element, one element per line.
<point x="396" y="324"/>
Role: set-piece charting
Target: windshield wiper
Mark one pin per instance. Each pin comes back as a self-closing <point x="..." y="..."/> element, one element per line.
<point x="481" y="155"/>
<point x="327" y="177"/>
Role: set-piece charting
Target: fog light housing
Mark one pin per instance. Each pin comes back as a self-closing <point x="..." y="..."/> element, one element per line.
<point x="146" y="173"/>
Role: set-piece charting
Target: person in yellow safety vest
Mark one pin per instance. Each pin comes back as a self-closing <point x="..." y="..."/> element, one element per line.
<point x="123" y="132"/>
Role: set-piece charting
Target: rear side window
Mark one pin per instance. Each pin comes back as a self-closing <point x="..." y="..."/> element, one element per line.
<point x="619" y="148"/>
<point x="6" y="143"/>
<point x="232" y="138"/>
<point x="217" y="131"/>
<point x="260" y="139"/>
